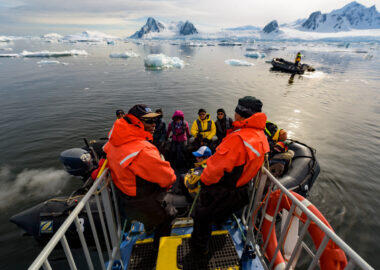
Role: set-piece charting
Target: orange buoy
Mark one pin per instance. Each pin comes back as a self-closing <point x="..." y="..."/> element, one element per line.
<point x="332" y="257"/>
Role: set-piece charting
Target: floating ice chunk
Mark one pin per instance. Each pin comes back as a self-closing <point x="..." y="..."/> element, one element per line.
<point x="237" y="62"/>
<point x="9" y="55"/>
<point x="53" y="54"/>
<point x="159" y="61"/>
<point x="110" y="42"/>
<point x="255" y="55"/>
<point x="5" y="39"/>
<point x="360" y="51"/>
<point x="249" y="49"/>
<point x="368" y="56"/>
<point x="48" y="62"/>
<point x="124" y="55"/>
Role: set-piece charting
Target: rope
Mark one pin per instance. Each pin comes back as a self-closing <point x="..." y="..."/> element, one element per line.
<point x="240" y="229"/>
<point x="195" y="200"/>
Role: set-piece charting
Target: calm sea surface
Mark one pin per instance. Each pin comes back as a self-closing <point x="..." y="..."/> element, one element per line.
<point x="47" y="108"/>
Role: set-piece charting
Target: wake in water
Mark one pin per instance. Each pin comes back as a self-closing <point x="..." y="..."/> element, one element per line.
<point x="35" y="183"/>
<point x="314" y="75"/>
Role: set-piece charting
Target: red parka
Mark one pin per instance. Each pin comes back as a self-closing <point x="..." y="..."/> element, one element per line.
<point x="240" y="155"/>
<point x="136" y="165"/>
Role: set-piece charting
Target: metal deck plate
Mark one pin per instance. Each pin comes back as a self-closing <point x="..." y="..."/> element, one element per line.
<point x="222" y="255"/>
<point x="143" y="257"/>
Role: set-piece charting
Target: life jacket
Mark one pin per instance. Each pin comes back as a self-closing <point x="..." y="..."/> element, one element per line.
<point x="200" y="126"/>
<point x="181" y="130"/>
<point x="272" y="131"/>
<point x="298" y="57"/>
<point x="192" y="178"/>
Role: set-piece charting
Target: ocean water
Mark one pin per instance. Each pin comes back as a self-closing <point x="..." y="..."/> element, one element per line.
<point x="48" y="105"/>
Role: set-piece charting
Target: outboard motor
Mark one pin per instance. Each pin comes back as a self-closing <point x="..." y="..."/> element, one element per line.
<point x="77" y="161"/>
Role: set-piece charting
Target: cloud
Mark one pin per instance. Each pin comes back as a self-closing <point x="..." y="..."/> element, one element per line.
<point x="129" y="14"/>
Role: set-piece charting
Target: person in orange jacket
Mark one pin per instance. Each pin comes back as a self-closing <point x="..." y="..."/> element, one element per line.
<point x="224" y="182"/>
<point x="140" y="175"/>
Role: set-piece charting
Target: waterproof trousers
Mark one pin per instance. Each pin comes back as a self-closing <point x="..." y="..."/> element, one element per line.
<point x="216" y="204"/>
<point x="150" y="210"/>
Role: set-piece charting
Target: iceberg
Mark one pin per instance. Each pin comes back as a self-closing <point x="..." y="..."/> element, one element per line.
<point x="53" y="54"/>
<point x="160" y="61"/>
<point x="255" y="55"/>
<point x="5" y="39"/>
<point x="237" y="62"/>
<point x="124" y="55"/>
<point x="9" y="55"/>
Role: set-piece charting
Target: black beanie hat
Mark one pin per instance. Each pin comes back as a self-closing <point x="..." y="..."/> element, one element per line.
<point x="247" y="106"/>
<point x="201" y="110"/>
<point x="221" y="110"/>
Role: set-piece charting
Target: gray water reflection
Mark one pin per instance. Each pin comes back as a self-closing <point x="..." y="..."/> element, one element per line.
<point x="48" y="108"/>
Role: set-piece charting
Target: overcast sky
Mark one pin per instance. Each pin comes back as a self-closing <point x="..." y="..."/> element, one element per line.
<point x="124" y="17"/>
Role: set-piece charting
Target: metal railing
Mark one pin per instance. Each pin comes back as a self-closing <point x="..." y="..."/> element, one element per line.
<point x="265" y="184"/>
<point x="102" y="191"/>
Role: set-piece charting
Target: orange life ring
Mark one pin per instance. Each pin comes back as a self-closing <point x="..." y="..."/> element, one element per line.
<point x="332" y="257"/>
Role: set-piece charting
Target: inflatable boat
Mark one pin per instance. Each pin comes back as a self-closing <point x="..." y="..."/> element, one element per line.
<point x="286" y="66"/>
<point x="44" y="219"/>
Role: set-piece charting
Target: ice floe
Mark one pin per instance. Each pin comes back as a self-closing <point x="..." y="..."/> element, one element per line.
<point x="9" y="55"/>
<point x="53" y="54"/>
<point x="48" y="62"/>
<point x="5" y="39"/>
<point x="160" y="61"/>
<point x="127" y="54"/>
<point x="237" y="62"/>
<point x="255" y="55"/>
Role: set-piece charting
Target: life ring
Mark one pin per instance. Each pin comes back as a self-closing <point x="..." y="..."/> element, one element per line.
<point x="332" y="257"/>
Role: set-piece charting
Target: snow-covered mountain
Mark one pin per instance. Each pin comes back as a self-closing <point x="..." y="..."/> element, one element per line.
<point x="153" y="27"/>
<point x="271" y="27"/>
<point x="351" y="16"/>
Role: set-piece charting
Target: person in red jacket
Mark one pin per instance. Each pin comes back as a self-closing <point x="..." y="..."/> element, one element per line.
<point x="237" y="160"/>
<point x="140" y="175"/>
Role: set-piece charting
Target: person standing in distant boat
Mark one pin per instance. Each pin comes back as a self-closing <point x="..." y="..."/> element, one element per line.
<point x="298" y="59"/>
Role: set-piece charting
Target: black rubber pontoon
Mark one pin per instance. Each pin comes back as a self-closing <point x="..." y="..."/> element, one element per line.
<point x="286" y="66"/>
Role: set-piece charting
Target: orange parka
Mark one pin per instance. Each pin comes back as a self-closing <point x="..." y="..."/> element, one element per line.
<point x="135" y="164"/>
<point x="240" y="155"/>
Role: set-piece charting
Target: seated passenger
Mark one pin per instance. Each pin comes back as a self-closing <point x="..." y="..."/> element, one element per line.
<point x="119" y="114"/>
<point x="159" y="135"/>
<point x="140" y="176"/>
<point x="203" y="129"/>
<point x="223" y="123"/>
<point x="279" y="157"/>
<point x="179" y="128"/>
<point x="191" y="179"/>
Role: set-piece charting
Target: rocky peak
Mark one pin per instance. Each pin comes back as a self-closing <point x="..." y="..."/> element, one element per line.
<point x="187" y="28"/>
<point x="151" y="25"/>
<point x="271" y="27"/>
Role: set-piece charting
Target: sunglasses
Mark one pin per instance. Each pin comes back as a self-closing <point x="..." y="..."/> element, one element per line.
<point x="148" y="120"/>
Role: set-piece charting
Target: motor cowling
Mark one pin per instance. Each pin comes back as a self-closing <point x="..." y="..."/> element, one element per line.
<point x="77" y="161"/>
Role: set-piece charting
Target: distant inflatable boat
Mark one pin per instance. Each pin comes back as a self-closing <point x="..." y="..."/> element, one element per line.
<point x="286" y="66"/>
